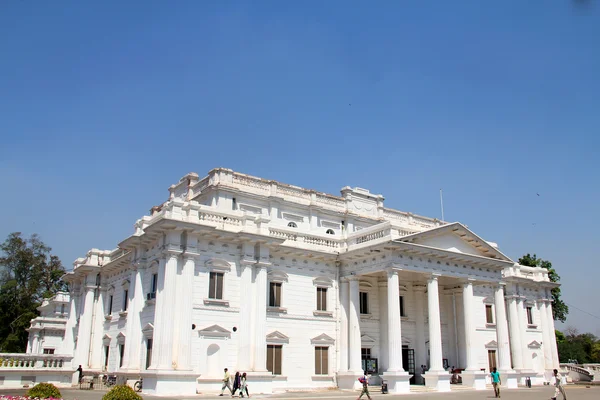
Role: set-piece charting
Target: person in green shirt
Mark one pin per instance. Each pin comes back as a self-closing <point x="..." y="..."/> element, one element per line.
<point x="496" y="382"/>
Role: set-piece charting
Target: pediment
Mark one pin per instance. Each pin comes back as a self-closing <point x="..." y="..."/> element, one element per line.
<point x="367" y="339"/>
<point x="106" y="338"/>
<point x="148" y="330"/>
<point x="534" y="345"/>
<point x="457" y="238"/>
<point x="218" y="264"/>
<point x="277" y="337"/>
<point x="322" y="339"/>
<point x="491" y="345"/>
<point x="214" y="331"/>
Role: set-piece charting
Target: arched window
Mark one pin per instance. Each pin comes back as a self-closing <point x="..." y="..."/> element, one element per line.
<point x="292" y="225"/>
<point x="330" y="232"/>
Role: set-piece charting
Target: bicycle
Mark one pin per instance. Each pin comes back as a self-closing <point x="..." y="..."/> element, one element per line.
<point x="137" y="386"/>
<point x="109" y="380"/>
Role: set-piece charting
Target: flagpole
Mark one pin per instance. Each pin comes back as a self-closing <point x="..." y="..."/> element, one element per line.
<point x="442" y="204"/>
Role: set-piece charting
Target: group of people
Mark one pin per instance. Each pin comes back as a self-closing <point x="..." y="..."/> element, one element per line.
<point x="558" y="387"/>
<point x="239" y="383"/>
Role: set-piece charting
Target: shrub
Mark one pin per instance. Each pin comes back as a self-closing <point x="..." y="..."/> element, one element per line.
<point x="121" y="392"/>
<point x="44" y="391"/>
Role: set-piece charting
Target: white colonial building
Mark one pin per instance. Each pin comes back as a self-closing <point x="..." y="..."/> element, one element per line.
<point x="301" y="289"/>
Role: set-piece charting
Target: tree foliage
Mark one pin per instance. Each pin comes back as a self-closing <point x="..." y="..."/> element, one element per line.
<point x="28" y="274"/>
<point x="585" y="347"/>
<point x="559" y="308"/>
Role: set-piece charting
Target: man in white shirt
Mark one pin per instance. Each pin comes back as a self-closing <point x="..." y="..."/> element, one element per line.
<point x="558" y="387"/>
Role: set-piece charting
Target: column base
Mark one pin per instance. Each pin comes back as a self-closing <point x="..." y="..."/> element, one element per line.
<point x="510" y="379"/>
<point x="169" y="382"/>
<point x="474" y="379"/>
<point x="439" y="381"/>
<point x="260" y="382"/>
<point x="398" y="382"/>
<point x="349" y="380"/>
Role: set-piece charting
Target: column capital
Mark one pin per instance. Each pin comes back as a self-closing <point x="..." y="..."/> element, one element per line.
<point x="467" y="282"/>
<point x="382" y="284"/>
<point x="433" y="277"/>
<point x="391" y="272"/>
<point x="191" y="254"/>
<point x="353" y="278"/>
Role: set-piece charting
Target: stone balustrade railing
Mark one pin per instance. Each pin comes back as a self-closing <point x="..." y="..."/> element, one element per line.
<point x="583" y="373"/>
<point x="300" y="237"/>
<point x="34" y="361"/>
<point x="379" y="231"/>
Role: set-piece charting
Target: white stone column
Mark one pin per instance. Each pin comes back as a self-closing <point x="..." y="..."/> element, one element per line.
<point x="136" y="305"/>
<point x="420" y="348"/>
<point x="502" y="330"/>
<point x="542" y="303"/>
<point x="552" y="331"/>
<point x="85" y="328"/>
<point x="165" y="304"/>
<point x="36" y="343"/>
<point x="245" y="329"/>
<point x="451" y="351"/>
<point x="68" y="339"/>
<point x="354" y="345"/>
<point x="527" y="363"/>
<point x="129" y="324"/>
<point x="96" y="344"/>
<point x="383" y="326"/>
<point x="185" y="307"/>
<point x="344" y="302"/>
<point x="260" y="321"/>
<point x="435" y="327"/>
<point x="515" y="333"/>
<point x="394" y="324"/>
<point x="469" y="326"/>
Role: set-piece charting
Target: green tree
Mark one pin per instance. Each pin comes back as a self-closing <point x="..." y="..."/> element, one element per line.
<point x="28" y="274"/>
<point x="559" y="308"/>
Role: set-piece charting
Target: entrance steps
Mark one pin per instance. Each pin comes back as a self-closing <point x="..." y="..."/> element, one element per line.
<point x="453" y="388"/>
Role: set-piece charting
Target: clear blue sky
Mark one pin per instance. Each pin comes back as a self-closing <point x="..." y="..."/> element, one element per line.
<point x="103" y="105"/>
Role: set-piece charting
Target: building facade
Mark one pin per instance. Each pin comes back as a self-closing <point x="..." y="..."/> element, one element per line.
<point x="302" y="289"/>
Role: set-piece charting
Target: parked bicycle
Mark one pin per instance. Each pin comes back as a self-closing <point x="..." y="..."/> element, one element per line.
<point x="137" y="386"/>
<point x="109" y="380"/>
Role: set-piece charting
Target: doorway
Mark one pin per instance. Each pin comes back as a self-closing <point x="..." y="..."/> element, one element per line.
<point x="408" y="362"/>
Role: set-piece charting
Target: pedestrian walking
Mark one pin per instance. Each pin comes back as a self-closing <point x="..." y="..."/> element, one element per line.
<point x="236" y="383"/>
<point x="80" y="370"/>
<point x="243" y="386"/>
<point x="558" y="387"/>
<point x="365" y="389"/>
<point x="226" y="382"/>
<point x="496" y="382"/>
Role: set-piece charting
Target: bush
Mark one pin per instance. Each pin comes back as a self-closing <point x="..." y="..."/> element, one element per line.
<point x="44" y="391"/>
<point x="121" y="392"/>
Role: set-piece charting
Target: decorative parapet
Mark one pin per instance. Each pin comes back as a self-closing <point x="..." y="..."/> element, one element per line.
<point x="20" y="361"/>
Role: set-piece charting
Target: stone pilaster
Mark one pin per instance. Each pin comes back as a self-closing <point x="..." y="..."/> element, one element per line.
<point x="552" y="331"/>
<point x="354" y="345"/>
<point x="343" y="346"/>
<point x="185" y="295"/>
<point x="546" y="338"/>
<point x="85" y="328"/>
<point x="129" y="324"/>
<point x="246" y="306"/>
<point x="98" y="328"/>
<point x="165" y="298"/>
<point x="526" y="354"/>
<point x="260" y="320"/>
<point x="383" y="325"/>
<point x="68" y="340"/>
<point x="136" y="305"/>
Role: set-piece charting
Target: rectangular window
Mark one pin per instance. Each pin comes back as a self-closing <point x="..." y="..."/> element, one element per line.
<point x="274" y="359"/>
<point x="148" y="353"/>
<point x="106" y="353"/>
<point x="154" y="282"/>
<point x="215" y="290"/>
<point x="121" y="354"/>
<point x="275" y="294"/>
<point x="529" y="316"/>
<point x="364" y="303"/>
<point x="62" y="308"/>
<point x="48" y="351"/>
<point x="322" y="299"/>
<point x="489" y="315"/>
<point x="110" y="301"/>
<point x="321" y="361"/>
<point x="492" y="359"/>
<point x="365" y="353"/>
<point x="125" y="300"/>
<point x="402" y="314"/>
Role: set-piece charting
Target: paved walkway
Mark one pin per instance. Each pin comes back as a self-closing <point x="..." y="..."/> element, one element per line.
<point x="537" y="393"/>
